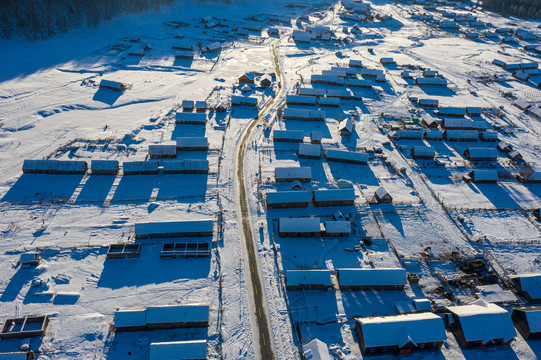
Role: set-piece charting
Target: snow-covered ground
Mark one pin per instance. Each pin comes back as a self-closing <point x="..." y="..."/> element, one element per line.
<point x="52" y="107"/>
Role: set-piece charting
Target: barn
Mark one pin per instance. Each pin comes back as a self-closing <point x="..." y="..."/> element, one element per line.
<point x="329" y="102"/>
<point x="187" y="105"/>
<point x="299" y="227"/>
<point x="288" y="135"/>
<point x="345" y="127"/>
<point x="491" y="136"/>
<point x="287" y="199"/>
<point x="54" y="167"/>
<point x="429" y="102"/>
<point x="316" y="137"/>
<point x="400" y="334"/>
<point x="382" y="196"/>
<point x="334" y="197"/>
<point x="312" y="92"/>
<point x="457" y="124"/>
<point x="428" y="81"/>
<point x="162" y="151"/>
<point x="162" y="317"/>
<point x="191" y="118"/>
<point x="434" y="135"/>
<point x="287" y="174"/>
<point x="244" y="101"/>
<point x="319" y="279"/>
<point x="480" y="324"/>
<point x="527" y="321"/>
<point x="347" y="156"/>
<point x="423" y="152"/>
<point x="337" y="228"/>
<point x="179" y="350"/>
<point x="484" y="176"/>
<point x="113" y="85"/>
<point x="300" y="100"/>
<point x="140" y="167"/>
<point x="172" y="229"/>
<point x="481" y="154"/>
<point x="192" y="144"/>
<point x="195" y="166"/>
<point x="303" y="114"/>
<point x="528" y="285"/>
<point x="372" y="279"/>
<point x="309" y="151"/>
<point x="461" y="135"/>
<point x="104" y="167"/>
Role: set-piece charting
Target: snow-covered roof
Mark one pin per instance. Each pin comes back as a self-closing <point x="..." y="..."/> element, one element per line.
<point x="430" y="81"/>
<point x="302" y="114"/>
<point x="313" y="150"/>
<point x="531" y="284"/>
<point x="308" y="277"/>
<point x="457" y="123"/>
<point x="104" y="165"/>
<point x="111" y="84"/>
<point x="243" y="100"/>
<point x="327" y="79"/>
<point x="346" y="125"/>
<point x="337" y="227"/>
<point x="484" y="321"/>
<point x="130" y="318"/>
<point x="285" y="197"/>
<point x="316" y="135"/>
<point x="187" y="165"/>
<point x="485" y="175"/>
<point x="55" y="165"/>
<point x="489" y="135"/>
<point x="191" y="142"/>
<point x="178" y="350"/>
<point x="402" y="329"/>
<point x="181" y="117"/>
<point x="161" y="149"/>
<point x="316" y="350"/>
<point x="354" y="82"/>
<point x="173" y="227"/>
<point x="410" y="134"/>
<point x="423" y="151"/>
<point x="367" y="277"/>
<point x="311" y="91"/>
<point x="339" y="93"/>
<point x="334" y="194"/>
<point x="347" y="155"/>
<point x="355" y="63"/>
<point x="533" y="316"/>
<point x="482" y="153"/>
<point x="433" y="134"/>
<point x="328" y="101"/>
<point x="495" y="294"/>
<point x="381" y="192"/>
<point x="136" y="166"/>
<point x="288" y="135"/>
<point x="371" y="72"/>
<point x="293" y="173"/>
<point x="462" y="134"/>
<point x="177" y="313"/>
<point x="429" y="102"/>
<point x="300" y="99"/>
<point x="304" y="224"/>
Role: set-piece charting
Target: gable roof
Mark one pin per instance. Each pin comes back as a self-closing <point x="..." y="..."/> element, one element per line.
<point x="484" y="321"/>
<point x="402" y="329"/>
